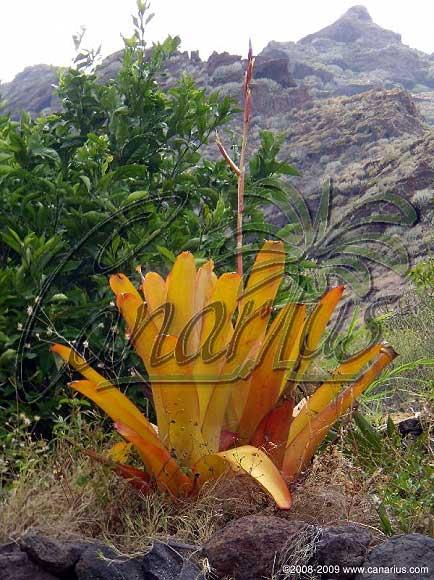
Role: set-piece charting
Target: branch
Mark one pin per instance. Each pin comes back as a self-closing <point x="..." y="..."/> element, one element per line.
<point x="226" y="156"/>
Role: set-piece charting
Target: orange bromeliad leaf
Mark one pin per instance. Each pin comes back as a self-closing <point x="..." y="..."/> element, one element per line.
<point x="160" y="463"/>
<point x="272" y="432"/>
<point x="118" y="408"/>
<point x="121" y="284"/>
<point x="136" y="477"/>
<point x="329" y="390"/>
<point x="254" y="314"/>
<point x="102" y="392"/>
<point x="315" y="328"/>
<point x="300" y="451"/>
<point x="277" y="357"/>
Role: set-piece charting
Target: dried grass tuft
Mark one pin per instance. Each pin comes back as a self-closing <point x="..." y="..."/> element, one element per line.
<point x="66" y="495"/>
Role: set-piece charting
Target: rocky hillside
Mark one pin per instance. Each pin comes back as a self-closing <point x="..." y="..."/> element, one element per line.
<point x="353" y="101"/>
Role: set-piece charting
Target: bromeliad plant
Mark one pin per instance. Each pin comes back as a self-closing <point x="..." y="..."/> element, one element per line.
<point x="224" y="369"/>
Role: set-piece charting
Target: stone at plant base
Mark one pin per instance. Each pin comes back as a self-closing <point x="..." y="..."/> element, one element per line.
<point x="343" y="545"/>
<point x="407" y="550"/>
<point x="411" y="426"/>
<point x="167" y="562"/>
<point x="53" y="556"/>
<point x="16" y="565"/>
<point x="252" y="546"/>
<point x="98" y="562"/>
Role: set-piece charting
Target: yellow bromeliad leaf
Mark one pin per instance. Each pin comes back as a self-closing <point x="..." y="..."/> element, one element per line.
<point x="278" y="355"/>
<point x="216" y="333"/>
<point x="254" y="314"/>
<point x="119" y="452"/>
<point x="160" y="463"/>
<point x="300" y="451"/>
<point x="315" y="328"/>
<point x="181" y="407"/>
<point x="250" y="460"/>
<point x="174" y="393"/>
<point x="256" y="463"/>
<point x="143" y="335"/>
<point x="265" y="277"/>
<point x="121" y="284"/>
<point x="329" y="390"/>
<point x="103" y="393"/>
<point x="155" y="292"/>
<point x="181" y="291"/>
<point x="205" y="284"/>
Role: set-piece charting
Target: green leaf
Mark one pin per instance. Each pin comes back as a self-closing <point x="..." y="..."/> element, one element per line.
<point x="170" y="256"/>
<point x="136" y="195"/>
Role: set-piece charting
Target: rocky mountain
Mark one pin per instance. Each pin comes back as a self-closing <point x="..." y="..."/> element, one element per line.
<point x="352" y="100"/>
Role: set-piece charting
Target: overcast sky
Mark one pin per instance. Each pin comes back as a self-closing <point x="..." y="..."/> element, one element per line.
<point x="40" y="31"/>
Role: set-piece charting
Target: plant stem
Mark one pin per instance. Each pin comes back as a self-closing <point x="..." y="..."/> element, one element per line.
<point x="241" y="177"/>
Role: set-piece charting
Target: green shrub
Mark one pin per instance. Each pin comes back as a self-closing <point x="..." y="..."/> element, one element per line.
<point x="116" y="179"/>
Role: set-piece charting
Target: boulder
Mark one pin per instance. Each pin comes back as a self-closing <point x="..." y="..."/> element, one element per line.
<point x="341" y="546"/>
<point x="407" y="557"/>
<point x="98" y="562"/>
<point x="16" y="565"/>
<point x="167" y="562"/>
<point x="253" y="546"/>
<point x="411" y="426"/>
<point x="53" y="556"/>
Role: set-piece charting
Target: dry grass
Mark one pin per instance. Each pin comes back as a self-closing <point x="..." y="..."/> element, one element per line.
<point x="65" y="495"/>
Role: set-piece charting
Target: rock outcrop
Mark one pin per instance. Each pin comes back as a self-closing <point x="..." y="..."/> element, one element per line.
<point x="252" y="547"/>
<point x="350" y="56"/>
<point x="353" y="102"/>
<point x="38" y="557"/>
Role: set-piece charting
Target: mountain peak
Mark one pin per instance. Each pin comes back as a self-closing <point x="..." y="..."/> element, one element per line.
<point x="356" y="25"/>
<point x="360" y="12"/>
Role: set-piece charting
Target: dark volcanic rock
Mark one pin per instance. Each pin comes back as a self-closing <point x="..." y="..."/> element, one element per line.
<point x="276" y="69"/>
<point x="98" y="562"/>
<point x="251" y="546"/>
<point x="165" y="562"/>
<point x="220" y="59"/>
<point x="411" y="426"/>
<point x="344" y="545"/>
<point x="16" y="565"/>
<point x="51" y="555"/>
<point x="406" y="551"/>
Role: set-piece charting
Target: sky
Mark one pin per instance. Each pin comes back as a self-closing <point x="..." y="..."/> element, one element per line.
<point x="40" y="31"/>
